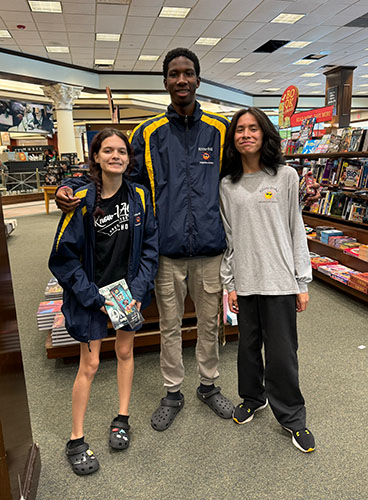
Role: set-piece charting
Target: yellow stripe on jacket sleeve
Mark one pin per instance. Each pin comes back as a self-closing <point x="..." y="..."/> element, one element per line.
<point x="68" y="217"/>
<point x="148" y="131"/>
<point x="221" y="128"/>
<point x="141" y="194"/>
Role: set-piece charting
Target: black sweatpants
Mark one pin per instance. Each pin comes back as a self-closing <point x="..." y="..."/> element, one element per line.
<point x="270" y="320"/>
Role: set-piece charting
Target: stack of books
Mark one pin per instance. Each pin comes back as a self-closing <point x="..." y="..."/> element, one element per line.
<point x="46" y="313"/>
<point x="338" y="272"/>
<point x="322" y="261"/>
<point x="59" y="335"/>
<point x="53" y="290"/>
<point x="359" y="281"/>
<point x="363" y="252"/>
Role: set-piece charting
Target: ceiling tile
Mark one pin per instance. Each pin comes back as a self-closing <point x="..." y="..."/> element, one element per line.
<point x="138" y="25"/>
<point x="51" y="26"/>
<point x="193" y="27"/>
<point x="154" y="3"/>
<point x="58" y="36"/>
<point x="81" y="28"/>
<point x="181" y="41"/>
<point x="166" y="26"/>
<point x="20" y="5"/>
<point x="79" y="19"/>
<point x="133" y="41"/>
<point x="157" y="42"/>
<point x="83" y="38"/>
<point x="207" y="9"/>
<point x="148" y="11"/>
<point x="227" y="44"/>
<point x="244" y="30"/>
<point x="44" y="17"/>
<point x="112" y="10"/>
<point x="109" y="24"/>
<point x="237" y="10"/>
<point x="219" y="29"/>
<point x="77" y="7"/>
<point x="267" y="10"/>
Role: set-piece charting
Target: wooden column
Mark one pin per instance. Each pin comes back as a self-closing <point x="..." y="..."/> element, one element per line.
<point x="19" y="455"/>
<point x="339" y="88"/>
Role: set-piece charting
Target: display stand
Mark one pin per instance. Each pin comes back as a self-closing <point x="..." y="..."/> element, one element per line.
<point x="19" y="456"/>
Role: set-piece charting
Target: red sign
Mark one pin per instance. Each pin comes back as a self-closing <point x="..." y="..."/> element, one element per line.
<point x="321" y="115"/>
<point x="288" y="102"/>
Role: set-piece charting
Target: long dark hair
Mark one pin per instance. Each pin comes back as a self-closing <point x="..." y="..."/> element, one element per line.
<point x="95" y="171"/>
<point x="271" y="156"/>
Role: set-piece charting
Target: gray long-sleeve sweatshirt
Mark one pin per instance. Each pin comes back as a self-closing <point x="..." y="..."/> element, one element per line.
<point x="267" y="250"/>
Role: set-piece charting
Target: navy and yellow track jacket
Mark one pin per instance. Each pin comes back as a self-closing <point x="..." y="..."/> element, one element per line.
<point x="72" y="259"/>
<point x="179" y="159"/>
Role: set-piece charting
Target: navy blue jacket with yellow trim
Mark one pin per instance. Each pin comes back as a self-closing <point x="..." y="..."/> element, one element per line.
<point x="179" y="159"/>
<point x="72" y="259"/>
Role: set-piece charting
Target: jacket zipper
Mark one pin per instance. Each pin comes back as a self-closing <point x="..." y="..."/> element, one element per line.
<point x="189" y="187"/>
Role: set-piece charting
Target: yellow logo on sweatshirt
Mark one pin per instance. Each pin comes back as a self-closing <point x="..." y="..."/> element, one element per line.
<point x="268" y="195"/>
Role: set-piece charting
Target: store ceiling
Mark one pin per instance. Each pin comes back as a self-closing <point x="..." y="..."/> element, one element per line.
<point x="242" y="26"/>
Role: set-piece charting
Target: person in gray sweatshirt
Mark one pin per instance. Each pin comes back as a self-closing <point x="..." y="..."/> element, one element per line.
<point x="266" y="270"/>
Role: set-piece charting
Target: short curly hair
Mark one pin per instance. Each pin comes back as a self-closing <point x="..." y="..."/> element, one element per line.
<point x="180" y="52"/>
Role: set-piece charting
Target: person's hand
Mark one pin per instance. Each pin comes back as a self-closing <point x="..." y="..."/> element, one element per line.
<point x="134" y="303"/>
<point x="232" y="300"/>
<point x="65" y="200"/>
<point x="107" y="303"/>
<point x="302" y="300"/>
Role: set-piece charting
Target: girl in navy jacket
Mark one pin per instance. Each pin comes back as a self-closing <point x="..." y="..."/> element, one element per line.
<point x="111" y="235"/>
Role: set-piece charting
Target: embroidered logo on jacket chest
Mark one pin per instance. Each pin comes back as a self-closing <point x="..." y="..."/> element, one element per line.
<point x="205" y="156"/>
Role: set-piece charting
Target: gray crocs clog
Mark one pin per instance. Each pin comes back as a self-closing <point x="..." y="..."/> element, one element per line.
<point x="165" y="414"/>
<point x="221" y="405"/>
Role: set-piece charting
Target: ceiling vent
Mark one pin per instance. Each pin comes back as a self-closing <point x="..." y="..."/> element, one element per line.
<point x="271" y="46"/>
<point x="359" y="22"/>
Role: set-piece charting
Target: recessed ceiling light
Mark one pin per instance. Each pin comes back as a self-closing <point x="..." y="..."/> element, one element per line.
<point x="360" y="92"/>
<point x="263" y="80"/>
<point x="316" y="92"/>
<point x="272" y="89"/>
<point x="310" y="75"/>
<point x="363" y="76"/>
<point x="179" y="12"/>
<point x="296" y="45"/>
<point x="60" y="50"/>
<point x="5" y="34"/>
<point x="207" y="41"/>
<point x="104" y="62"/>
<point x="305" y="61"/>
<point x="45" y="6"/>
<point x="107" y="37"/>
<point x="366" y="64"/>
<point x="363" y="85"/>
<point x="313" y="84"/>
<point x="230" y="60"/>
<point x="148" y="58"/>
<point x="287" y="18"/>
<point x="246" y="73"/>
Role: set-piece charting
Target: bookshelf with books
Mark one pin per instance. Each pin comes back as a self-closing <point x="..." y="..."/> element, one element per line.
<point x="59" y="344"/>
<point x="349" y="249"/>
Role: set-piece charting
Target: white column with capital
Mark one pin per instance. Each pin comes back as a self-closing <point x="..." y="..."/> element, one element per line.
<point x="63" y="97"/>
<point x="78" y="132"/>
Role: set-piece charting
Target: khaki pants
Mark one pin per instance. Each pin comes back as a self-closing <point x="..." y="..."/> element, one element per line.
<point x="201" y="276"/>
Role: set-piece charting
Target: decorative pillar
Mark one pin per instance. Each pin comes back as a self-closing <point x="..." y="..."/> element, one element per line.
<point x="63" y="97"/>
<point x="339" y="88"/>
<point x="78" y="133"/>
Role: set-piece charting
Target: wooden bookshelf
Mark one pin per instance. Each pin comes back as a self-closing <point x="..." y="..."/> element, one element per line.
<point x="332" y="156"/>
<point x="146" y="338"/>
<point x="355" y="230"/>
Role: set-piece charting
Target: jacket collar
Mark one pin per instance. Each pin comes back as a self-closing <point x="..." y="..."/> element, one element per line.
<point x="173" y="116"/>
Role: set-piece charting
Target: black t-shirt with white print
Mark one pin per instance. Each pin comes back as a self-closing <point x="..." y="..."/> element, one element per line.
<point x="112" y="238"/>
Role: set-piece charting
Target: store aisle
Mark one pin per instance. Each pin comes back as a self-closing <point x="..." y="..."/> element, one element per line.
<point x="201" y="457"/>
